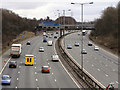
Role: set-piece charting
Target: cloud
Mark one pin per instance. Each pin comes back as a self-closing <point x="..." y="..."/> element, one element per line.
<point x="42" y="9"/>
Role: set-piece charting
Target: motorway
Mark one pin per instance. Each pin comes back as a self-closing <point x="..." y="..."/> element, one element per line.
<point x="101" y="64"/>
<point x="31" y="76"/>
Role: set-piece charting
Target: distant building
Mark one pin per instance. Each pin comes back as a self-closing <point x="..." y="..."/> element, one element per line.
<point x="48" y="25"/>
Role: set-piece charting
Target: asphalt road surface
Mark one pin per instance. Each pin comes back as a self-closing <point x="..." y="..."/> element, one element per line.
<point x="31" y="76"/>
<point x="102" y="65"/>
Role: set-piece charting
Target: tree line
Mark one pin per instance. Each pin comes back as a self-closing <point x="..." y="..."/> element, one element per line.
<point x="106" y="28"/>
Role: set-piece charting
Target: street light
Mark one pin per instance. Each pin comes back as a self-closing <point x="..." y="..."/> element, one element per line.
<point x="59" y="22"/>
<point x="82" y="30"/>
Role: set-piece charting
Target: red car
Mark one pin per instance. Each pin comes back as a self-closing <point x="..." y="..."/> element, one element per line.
<point x="45" y="69"/>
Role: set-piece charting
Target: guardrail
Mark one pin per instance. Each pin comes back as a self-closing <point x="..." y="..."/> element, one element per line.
<point x="88" y="79"/>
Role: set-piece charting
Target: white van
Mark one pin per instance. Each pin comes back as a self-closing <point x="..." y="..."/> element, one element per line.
<point x="55" y="57"/>
<point x="50" y="43"/>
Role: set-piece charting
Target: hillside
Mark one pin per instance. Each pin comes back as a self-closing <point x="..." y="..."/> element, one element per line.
<point x="106" y="32"/>
<point x="13" y="25"/>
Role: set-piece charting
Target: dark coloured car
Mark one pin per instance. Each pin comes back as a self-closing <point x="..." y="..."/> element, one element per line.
<point x="89" y="43"/>
<point x="12" y="64"/>
<point x="44" y="40"/>
<point x="55" y="36"/>
<point x="28" y="43"/>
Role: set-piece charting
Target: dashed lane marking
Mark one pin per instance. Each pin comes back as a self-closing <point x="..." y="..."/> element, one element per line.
<point x="35" y="72"/>
<point x="98" y="69"/>
<point x="17" y="78"/>
<point x="55" y="80"/>
<point x="36" y="80"/>
<point x="106" y="75"/>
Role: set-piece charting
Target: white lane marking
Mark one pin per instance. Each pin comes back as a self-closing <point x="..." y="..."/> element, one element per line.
<point x="55" y="80"/>
<point x="17" y="78"/>
<point x="113" y="70"/>
<point x="5" y="66"/>
<point x="19" y="66"/>
<point x="52" y="73"/>
<point x="116" y="82"/>
<point x="19" y="72"/>
<point x="98" y="69"/>
<point x="35" y="62"/>
<point x="106" y="65"/>
<point x="35" y="72"/>
<point x="16" y="87"/>
<point x="35" y="67"/>
<point x="66" y="70"/>
<point x="88" y="73"/>
<point x="92" y="65"/>
<point x="36" y="80"/>
<point x="48" y="63"/>
<point x="106" y="75"/>
<point x="20" y="62"/>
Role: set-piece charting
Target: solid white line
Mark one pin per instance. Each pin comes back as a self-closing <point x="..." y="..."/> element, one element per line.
<point x="86" y="71"/>
<point x="66" y="70"/>
<point x="5" y="65"/>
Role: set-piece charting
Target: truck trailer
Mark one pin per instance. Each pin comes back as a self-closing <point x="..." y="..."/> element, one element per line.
<point x="15" y="50"/>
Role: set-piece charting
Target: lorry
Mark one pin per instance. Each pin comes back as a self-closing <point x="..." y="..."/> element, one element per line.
<point x="15" y="50"/>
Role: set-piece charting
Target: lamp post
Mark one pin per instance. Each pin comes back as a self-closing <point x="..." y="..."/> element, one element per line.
<point x="59" y="22"/>
<point x="82" y="30"/>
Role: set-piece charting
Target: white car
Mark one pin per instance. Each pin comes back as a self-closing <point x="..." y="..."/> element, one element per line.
<point x="76" y="44"/>
<point x="41" y="49"/>
<point x="55" y="57"/>
<point x="84" y="51"/>
<point x="50" y="43"/>
<point x="96" y="48"/>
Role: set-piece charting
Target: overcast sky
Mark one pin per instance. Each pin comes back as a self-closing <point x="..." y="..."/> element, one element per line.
<point x="43" y="8"/>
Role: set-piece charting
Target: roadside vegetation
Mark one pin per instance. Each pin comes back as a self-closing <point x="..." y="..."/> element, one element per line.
<point x="13" y="25"/>
<point x="106" y="29"/>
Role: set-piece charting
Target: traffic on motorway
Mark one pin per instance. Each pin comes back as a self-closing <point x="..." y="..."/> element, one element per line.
<point x="35" y="56"/>
<point x="36" y="63"/>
